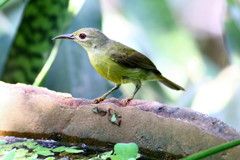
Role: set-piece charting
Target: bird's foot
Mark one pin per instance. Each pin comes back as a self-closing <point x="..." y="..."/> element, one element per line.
<point x="125" y="101"/>
<point x="98" y="100"/>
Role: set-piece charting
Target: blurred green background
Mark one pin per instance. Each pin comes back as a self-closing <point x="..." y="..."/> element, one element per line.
<point x="195" y="43"/>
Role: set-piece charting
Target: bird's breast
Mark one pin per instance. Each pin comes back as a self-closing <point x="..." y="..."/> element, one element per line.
<point x="109" y="69"/>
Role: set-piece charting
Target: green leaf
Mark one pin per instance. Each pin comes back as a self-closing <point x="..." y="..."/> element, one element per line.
<point x="59" y="149"/>
<point x="106" y="155"/>
<point x="21" y="153"/>
<point x="2" y="2"/>
<point x="5" y="148"/>
<point x="113" y="118"/>
<point x="2" y="142"/>
<point x="10" y="155"/>
<point x="95" y="110"/>
<point x="31" y="144"/>
<point x="232" y="36"/>
<point x="49" y="158"/>
<point x="72" y="150"/>
<point x="43" y="151"/>
<point x="126" y="150"/>
<point x="67" y="149"/>
<point x="117" y="157"/>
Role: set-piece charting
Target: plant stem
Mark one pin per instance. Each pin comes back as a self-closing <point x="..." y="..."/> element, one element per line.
<point x="40" y="77"/>
<point x="213" y="150"/>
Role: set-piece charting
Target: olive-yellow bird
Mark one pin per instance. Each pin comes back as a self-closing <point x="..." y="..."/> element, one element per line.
<point x="117" y="62"/>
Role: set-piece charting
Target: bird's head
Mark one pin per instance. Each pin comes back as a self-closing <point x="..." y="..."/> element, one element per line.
<point x="89" y="38"/>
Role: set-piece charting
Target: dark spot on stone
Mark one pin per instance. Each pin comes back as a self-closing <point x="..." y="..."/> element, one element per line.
<point x="160" y="109"/>
<point x="193" y="118"/>
<point x="214" y="122"/>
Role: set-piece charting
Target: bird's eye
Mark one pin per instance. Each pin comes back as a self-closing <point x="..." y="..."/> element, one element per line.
<point x="82" y="36"/>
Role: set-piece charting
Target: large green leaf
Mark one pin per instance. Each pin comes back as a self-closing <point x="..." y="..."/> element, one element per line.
<point x="10" y="18"/>
<point x="40" y="22"/>
<point x="232" y="27"/>
<point x="3" y="2"/>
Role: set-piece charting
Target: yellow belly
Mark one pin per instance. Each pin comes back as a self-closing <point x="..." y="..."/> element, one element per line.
<point x="119" y="74"/>
<point x="114" y="72"/>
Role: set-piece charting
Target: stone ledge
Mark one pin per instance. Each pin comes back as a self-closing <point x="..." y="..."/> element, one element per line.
<point x="152" y="125"/>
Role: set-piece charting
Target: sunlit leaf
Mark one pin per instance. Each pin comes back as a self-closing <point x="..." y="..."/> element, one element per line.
<point x="232" y="27"/>
<point x="49" y="158"/>
<point x="117" y="157"/>
<point x="67" y="149"/>
<point x="59" y="149"/>
<point x="106" y="155"/>
<point x="2" y="2"/>
<point x="43" y="151"/>
<point x="126" y="150"/>
<point x="10" y="155"/>
<point x="33" y="40"/>
<point x="72" y="150"/>
<point x="21" y="152"/>
<point x="2" y="142"/>
<point x="113" y="118"/>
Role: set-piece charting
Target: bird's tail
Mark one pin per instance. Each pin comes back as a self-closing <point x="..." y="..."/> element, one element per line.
<point x="170" y="84"/>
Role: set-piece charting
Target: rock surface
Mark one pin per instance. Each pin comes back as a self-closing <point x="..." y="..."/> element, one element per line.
<point x="152" y="125"/>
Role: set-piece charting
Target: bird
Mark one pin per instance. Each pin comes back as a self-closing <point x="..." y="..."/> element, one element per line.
<point x="117" y="62"/>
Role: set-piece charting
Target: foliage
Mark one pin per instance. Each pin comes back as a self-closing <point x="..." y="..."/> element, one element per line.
<point x="2" y="142"/>
<point x="10" y="155"/>
<point x="122" y="151"/>
<point x="232" y="28"/>
<point x="2" y="2"/>
<point x="32" y="41"/>
<point x="125" y="151"/>
<point x="32" y="150"/>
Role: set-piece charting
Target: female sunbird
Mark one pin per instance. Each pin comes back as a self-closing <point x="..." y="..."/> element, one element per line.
<point x="117" y="62"/>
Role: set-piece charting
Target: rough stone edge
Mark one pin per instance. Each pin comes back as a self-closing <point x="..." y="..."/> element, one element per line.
<point x="204" y="122"/>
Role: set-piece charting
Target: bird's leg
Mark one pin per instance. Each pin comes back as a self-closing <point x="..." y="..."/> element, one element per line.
<point x="138" y="85"/>
<point x="99" y="99"/>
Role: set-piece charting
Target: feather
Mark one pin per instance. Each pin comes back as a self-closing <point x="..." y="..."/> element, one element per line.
<point x="131" y="58"/>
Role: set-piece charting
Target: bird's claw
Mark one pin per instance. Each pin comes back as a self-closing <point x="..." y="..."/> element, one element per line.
<point x="125" y="101"/>
<point x="98" y="100"/>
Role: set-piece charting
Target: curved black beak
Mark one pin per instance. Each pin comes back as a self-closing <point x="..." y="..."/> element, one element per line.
<point x="64" y="36"/>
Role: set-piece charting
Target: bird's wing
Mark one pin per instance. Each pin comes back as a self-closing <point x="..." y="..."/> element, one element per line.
<point x="131" y="58"/>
